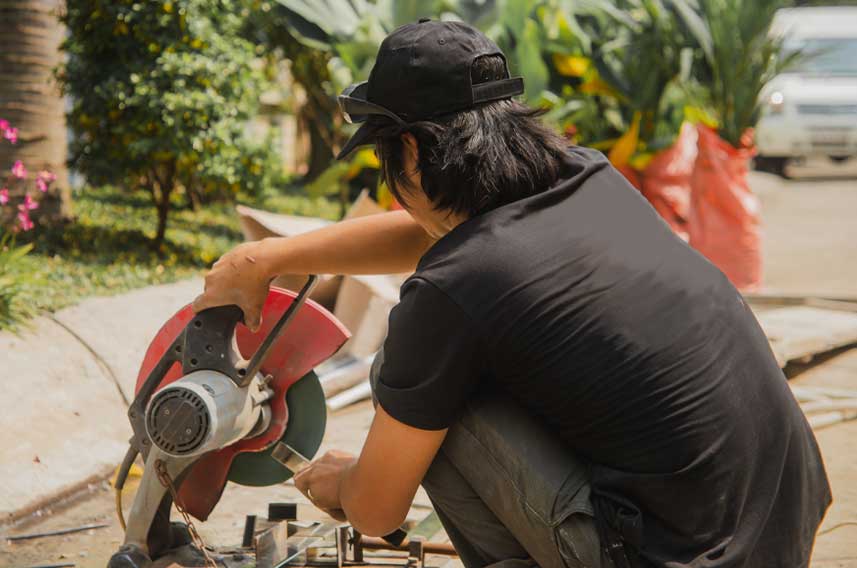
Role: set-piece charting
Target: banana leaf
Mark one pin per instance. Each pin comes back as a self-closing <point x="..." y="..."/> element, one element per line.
<point x="336" y="18"/>
<point x="531" y="65"/>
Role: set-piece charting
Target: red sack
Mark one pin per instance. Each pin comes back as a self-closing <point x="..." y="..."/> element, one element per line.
<point x="724" y="213"/>
<point x="665" y="181"/>
<point x="632" y="175"/>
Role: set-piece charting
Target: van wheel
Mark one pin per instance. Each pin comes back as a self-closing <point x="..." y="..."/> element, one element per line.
<point x="839" y="159"/>
<point x="772" y="165"/>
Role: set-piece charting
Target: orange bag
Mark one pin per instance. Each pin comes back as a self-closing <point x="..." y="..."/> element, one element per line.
<point x="724" y="213"/>
<point x="665" y="181"/>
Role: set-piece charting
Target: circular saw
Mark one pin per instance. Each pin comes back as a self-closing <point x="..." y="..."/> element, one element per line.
<point x="216" y="402"/>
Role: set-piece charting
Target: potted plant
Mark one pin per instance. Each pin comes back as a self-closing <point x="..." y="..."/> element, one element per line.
<point x="743" y="57"/>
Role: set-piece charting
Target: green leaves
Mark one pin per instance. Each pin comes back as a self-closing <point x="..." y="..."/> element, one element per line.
<point x="694" y="25"/>
<point x="742" y="60"/>
<point x="530" y="62"/>
<point x="335" y="19"/>
<point x="161" y="95"/>
<point x="14" y="280"/>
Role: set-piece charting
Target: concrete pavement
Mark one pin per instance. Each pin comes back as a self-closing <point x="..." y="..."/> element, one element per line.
<point x="67" y="380"/>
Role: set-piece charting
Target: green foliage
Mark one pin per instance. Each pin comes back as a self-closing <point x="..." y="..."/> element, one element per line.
<point x="644" y="49"/>
<point x="606" y="70"/>
<point x="161" y="93"/>
<point x="106" y="251"/>
<point x="352" y="30"/>
<point x="15" y="280"/>
<point x="269" y="27"/>
<point x="743" y="59"/>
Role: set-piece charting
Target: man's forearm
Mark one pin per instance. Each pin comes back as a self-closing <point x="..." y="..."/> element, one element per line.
<point x="386" y="243"/>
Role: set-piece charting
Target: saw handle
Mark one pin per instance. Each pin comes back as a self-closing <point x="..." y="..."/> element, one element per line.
<point x="259" y="356"/>
<point x="209" y="339"/>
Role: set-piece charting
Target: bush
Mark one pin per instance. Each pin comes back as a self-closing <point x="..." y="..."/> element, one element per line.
<point x="16" y="203"/>
<point x="105" y="251"/>
<point x="14" y="279"/>
<point x="162" y="92"/>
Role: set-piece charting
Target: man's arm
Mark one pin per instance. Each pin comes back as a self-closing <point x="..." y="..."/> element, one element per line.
<point x="376" y="490"/>
<point x="386" y="243"/>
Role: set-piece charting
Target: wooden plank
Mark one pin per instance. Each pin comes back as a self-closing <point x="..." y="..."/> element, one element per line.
<point x="770" y="301"/>
<point x="800" y="332"/>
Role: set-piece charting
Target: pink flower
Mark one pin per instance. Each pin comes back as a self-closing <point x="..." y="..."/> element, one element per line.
<point x="11" y="135"/>
<point x="28" y="205"/>
<point x="4" y="125"/>
<point x="24" y="220"/>
<point x="4" y="196"/>
<point x="18" y="170"/>
<point x="43" y="179"/>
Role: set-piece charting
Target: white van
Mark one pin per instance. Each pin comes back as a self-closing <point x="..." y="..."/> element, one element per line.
<point x="812" y="110"/>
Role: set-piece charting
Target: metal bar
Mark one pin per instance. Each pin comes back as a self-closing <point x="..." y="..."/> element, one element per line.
<point x="317" y="536"/>
<point x="428" y="527"/>
<point x="259" y="356"/>
<point x="249" y="531"/>
<point x="56" y="532"/>
<point x="440" y="548"/>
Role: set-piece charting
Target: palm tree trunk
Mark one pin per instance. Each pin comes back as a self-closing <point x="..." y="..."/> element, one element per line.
<point x="30" y="98"/>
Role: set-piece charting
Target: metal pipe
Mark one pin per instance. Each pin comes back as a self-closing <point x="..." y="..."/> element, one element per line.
<point x="440" y="548"/>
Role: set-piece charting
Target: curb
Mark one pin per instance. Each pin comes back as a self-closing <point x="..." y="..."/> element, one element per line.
<point x="68" y="379"/>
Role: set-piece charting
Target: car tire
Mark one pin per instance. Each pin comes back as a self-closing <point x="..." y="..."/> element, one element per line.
<point x="772" y="165"/>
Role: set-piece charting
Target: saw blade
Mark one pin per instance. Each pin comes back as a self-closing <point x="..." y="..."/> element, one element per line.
<point x="304" y="432"/>
<point x="312" y="337"/>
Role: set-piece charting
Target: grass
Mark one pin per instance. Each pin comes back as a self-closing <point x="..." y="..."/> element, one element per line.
<point x="107" y="249"/>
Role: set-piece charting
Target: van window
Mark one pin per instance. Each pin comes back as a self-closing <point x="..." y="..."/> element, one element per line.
<point x="827" y="56"/>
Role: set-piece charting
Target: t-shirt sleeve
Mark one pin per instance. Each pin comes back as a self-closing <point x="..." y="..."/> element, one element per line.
<point x="430" y="358"/>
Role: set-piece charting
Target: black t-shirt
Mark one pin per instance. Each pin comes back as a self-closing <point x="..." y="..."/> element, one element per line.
<point x="581" y="304"/>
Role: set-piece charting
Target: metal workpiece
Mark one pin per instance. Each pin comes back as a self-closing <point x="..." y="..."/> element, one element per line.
<point x="290" y="457"/>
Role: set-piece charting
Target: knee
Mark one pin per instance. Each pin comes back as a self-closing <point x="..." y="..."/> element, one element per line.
<point x="444" y="483"/>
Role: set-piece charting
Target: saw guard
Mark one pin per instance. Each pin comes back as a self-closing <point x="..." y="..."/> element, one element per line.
<point x="313" y="336"/>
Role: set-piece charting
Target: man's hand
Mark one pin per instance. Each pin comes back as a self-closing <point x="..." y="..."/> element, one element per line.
<point x="241" y="277"/>
<point x="320" y="481"/>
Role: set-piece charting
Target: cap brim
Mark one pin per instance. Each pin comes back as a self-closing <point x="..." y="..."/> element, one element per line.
<point x="364" y="135"/>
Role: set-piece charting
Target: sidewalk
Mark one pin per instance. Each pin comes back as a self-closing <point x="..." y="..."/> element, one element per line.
<point x="68" y="378"/>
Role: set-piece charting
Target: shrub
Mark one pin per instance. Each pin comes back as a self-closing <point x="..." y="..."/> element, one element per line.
<point x="162" y="92"/>
<point x="13" y="276"/>
<point x="13" y="280"/>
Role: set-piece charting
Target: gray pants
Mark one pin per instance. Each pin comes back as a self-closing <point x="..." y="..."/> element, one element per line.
<point x="509" y="493"/>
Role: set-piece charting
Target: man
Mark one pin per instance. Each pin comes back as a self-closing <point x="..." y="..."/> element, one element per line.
<point x="572" y="384"/>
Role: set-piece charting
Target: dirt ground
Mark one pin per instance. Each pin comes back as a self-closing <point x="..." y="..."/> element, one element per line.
<point x="810" y="247"/>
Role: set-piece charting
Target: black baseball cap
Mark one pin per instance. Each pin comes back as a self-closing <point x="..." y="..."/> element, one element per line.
<point x="422" y="71"/>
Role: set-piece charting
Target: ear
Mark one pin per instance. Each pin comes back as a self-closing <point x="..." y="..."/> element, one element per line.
<point x="411" y="147"/>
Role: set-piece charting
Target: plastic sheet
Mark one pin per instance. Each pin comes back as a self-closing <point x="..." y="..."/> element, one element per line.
<point x="724" y="222"/>
<point x="666" y="180"/>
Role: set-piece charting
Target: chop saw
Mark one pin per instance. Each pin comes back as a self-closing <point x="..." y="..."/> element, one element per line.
<point x="215" y="403"/>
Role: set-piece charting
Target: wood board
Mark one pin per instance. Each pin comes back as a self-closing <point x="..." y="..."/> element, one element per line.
<point x="799" y="332"/>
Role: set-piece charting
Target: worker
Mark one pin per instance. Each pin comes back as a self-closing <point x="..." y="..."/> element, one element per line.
<point x="571" y="383"/>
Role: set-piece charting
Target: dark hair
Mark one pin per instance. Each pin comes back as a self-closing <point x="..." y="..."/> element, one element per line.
<point x="478" y="159"/>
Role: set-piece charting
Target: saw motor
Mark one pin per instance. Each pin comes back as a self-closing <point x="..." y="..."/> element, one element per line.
<point x="206" y="411"/>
